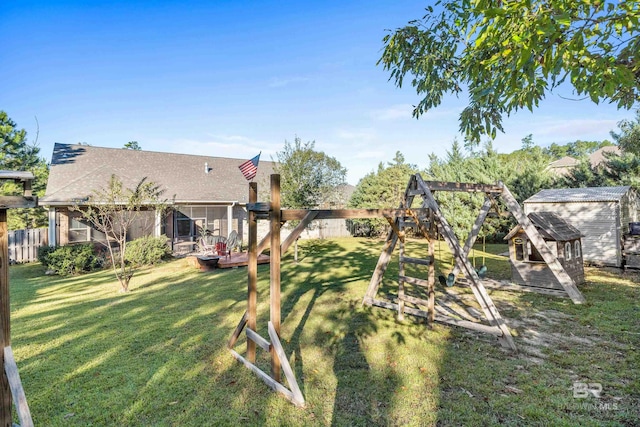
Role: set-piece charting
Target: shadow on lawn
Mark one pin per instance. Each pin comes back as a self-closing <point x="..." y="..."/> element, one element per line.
<point x="157" y="356"/>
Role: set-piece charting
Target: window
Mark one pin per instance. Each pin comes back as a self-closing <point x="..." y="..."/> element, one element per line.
<point x="78" y="231"/>
<point x="576" y="249"/>
<point x="567" y="251"/>
<point x="518" y="244"/>
<point x="534" y="255"/>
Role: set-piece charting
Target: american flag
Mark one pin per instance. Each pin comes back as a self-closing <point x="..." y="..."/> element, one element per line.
<point x="250" y="168"/>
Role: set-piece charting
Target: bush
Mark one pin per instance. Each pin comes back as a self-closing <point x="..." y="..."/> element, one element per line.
<point x="43" y="254"/>
<point x="70" y="259"/>
<point x="147" y="250"/>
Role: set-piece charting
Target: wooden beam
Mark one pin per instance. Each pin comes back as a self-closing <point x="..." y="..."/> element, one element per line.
<point x="276" y="346"/>
<point x="5" y="318"/>
<point x="549" y="258"/>
<point x="295" y="233"/>
<point x="462" y="186"/>
<point x="274" y="264"/>
<point x="264" y="243"/>
<point x="18" y="202"/>
<point x="394" y="227"/>
<point x="299" y="214"/>
<point x="261" y="342"/>
<point x="431" y="280"/>
<point x="483" y="298"/>
<point x="414" y="281"/>
<point x="420" y="261"/>
<point x="381" y="267"/>
<point x="20" y="399"/>
<point x="276" y="386"/>
<point x="16" y="175"/>
<point x="252" y="273"/>
<point x="473" y="235"/>
<point x="236" y="333"/>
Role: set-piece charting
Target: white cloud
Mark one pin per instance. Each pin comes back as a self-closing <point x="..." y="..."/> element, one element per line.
<point x="282" y="82"/>
<point x="233" y="146"/>
<point x="574" y="128"/>
<point x="358" y="135"/>
<point x="394" y="112"/>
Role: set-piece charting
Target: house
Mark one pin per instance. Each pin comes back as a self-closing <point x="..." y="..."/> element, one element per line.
<point x="527" y="265"/>
<point x="209" y="193"/>
<point x="602" y="214"/>
<point x="597" y="159"/>
<point x="563" y="166"/>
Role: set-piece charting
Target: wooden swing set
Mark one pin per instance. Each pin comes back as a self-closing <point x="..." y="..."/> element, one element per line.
<point x="429" y="219"/>
<point x="11" y="390"/>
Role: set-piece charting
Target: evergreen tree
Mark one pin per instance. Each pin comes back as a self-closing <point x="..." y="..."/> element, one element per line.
<point x="17" y="154"/>
<point x="384" y="188"/>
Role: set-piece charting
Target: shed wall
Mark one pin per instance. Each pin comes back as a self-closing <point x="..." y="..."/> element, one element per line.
<point x="598" y="221"/>
<point x="630" y="205"/>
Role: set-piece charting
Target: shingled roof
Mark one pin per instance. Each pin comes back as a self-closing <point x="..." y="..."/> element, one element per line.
<point x="77" y="170"/>
<point x="551" y="226"/>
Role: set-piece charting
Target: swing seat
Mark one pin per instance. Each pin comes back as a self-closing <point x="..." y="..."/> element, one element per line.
<point x="482" y="272"/>
<point x="451" y="279"/>
<point x="442" y="280"/>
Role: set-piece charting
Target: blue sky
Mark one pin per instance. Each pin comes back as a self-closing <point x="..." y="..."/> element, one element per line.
<point x="231" y="79"/>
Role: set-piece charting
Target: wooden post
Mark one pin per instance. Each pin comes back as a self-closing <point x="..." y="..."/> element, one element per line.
<point x="432" y="279"/>
<point x="274" y="289"/>
<point x="252" y="269"/>
<point x="5" y="332"/>
<point x="549" y="258"/>
<point x="473" y="235"/>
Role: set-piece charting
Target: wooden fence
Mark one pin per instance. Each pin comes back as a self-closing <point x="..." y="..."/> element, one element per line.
<point x="24" y="244"/>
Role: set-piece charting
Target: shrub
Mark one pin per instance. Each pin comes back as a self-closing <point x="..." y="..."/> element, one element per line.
<point x="43" y="254"/>
<point x="147" y="250"/>
<point x="70" y="259"/>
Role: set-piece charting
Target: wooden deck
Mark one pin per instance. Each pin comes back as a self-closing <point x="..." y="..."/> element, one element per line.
<point x="240" y="259"/>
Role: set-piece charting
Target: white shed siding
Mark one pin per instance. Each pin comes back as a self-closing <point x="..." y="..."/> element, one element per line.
<point x="629" y="210"/>
<point x="598" y="221"/>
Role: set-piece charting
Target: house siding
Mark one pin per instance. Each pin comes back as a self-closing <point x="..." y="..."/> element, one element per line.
<point x="599" y="222"/>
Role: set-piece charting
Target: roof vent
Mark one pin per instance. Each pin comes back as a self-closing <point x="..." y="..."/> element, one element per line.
<point x="206" y="168"/>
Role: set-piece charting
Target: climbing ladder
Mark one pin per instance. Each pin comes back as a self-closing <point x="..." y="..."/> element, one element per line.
<point x="436" y="221"/>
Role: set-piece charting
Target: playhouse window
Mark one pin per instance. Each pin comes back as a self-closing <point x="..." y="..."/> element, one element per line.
<point x="518" y="244"/>
<point x="567" y="251"/>
<point x="576" y="248"/>
<point x="534" y="255"/>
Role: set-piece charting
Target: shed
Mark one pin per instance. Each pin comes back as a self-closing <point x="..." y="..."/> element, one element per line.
<point x="602" y="214"/>
<point x="527" y="265"/>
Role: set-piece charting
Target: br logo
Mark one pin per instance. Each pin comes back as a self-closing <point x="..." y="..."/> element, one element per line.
<point x="584" y="390"/>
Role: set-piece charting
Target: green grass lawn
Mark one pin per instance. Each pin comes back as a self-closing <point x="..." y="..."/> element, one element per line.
<point x="157" y="356"/>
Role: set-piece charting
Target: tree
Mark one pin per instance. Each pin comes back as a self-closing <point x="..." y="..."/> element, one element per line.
<point x="17" y="154"/>
<point x="628" y="139"/>
<point x="308" y="178"/>
<point x="382" y="189"/>
<point x="132" y="145"/>
<point x="509" y="55"/>
<point x="113" y="211"/>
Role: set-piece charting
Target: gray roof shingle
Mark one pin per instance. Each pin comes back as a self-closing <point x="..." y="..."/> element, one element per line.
<point x="77" y="170"/>
<point x="551" y="226"/>
<point x="589" y="194"/>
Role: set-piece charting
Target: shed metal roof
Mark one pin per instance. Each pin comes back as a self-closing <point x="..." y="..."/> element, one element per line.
<point x="589" y="194"/>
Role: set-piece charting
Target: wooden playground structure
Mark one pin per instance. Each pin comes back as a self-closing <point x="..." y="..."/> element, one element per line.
<point x="11" y="390"/>
<point x="429" y="219"/>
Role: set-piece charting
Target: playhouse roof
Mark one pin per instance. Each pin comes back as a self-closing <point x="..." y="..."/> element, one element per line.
<point x="551" y="226"/>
